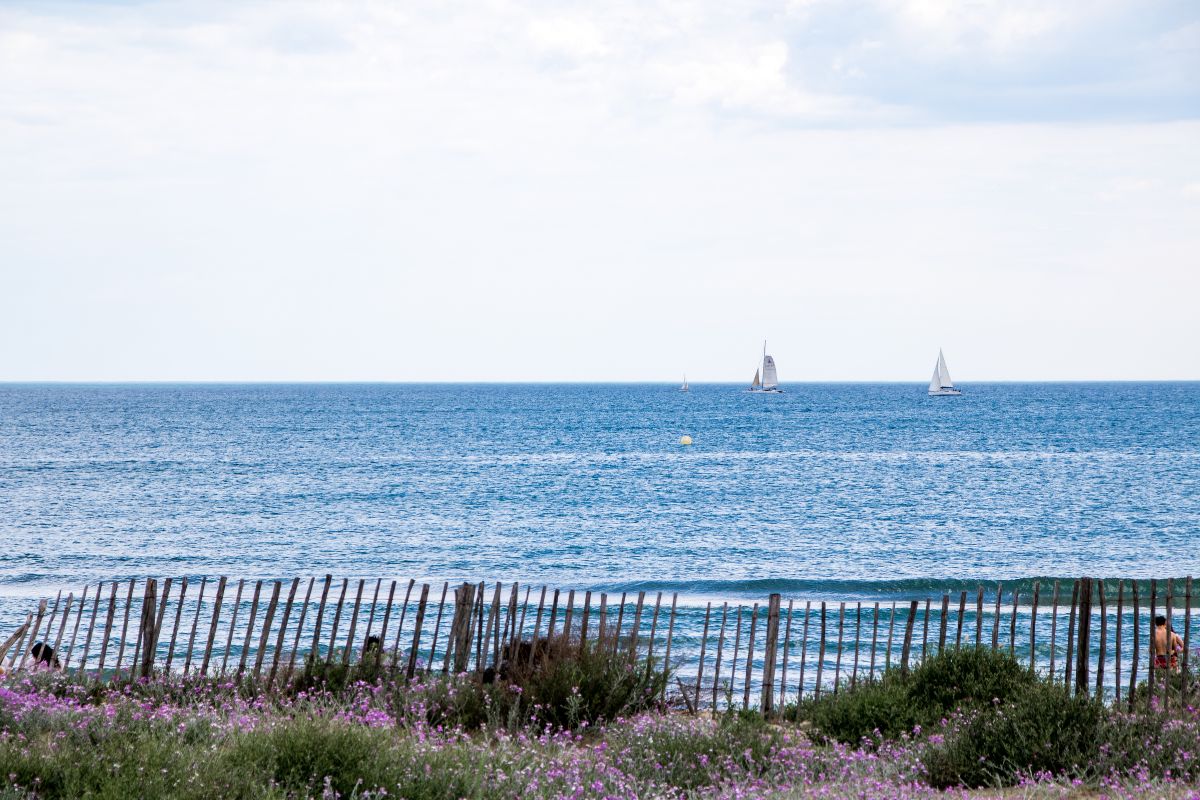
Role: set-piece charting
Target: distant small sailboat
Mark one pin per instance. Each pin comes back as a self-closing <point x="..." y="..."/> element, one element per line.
<point x="770" y="378"/>
<point x="684" y="388"/>
<point x="940" y="384"/>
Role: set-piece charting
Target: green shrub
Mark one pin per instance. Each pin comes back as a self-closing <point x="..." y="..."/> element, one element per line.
<point x="1040" y="728"/>
<point x="873" y="708"/>
<point x="966" y="678"/>
<point x="897" y="703"/>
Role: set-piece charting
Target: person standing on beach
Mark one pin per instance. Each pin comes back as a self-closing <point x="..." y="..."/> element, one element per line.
<point x="1166" y="645"/>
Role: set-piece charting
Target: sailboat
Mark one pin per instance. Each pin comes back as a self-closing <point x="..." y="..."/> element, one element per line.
<point x="770" y="379"/>
<point x="940" y="384"/>
<point x="684" y="388"/>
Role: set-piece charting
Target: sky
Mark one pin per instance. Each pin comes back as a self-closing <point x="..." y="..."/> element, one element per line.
<point x="575" y="191"/>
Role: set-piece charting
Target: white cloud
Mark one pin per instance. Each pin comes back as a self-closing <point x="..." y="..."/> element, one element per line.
<point x="318" y="191"/>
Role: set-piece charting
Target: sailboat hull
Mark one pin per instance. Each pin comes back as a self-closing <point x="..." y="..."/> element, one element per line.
<point x="944" y="392"/>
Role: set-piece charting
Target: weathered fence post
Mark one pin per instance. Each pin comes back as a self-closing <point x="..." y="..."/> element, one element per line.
<point x="1082" y="637"/>
<point x="750" y="657"/>
<point x="146" y="628"/>
<point x="700" y="666"/>
<point x="1033" y="628"/>
<point x="908" y="633"/>
<point x="1137" y="643"/>
<point x="460" y="629"/>
<point x="212" y="628"/>
<point x="1069" y="661"/>
<point x="770" y="649"/>
<point x="1103" y="639"/>
<point x="416" y="645"/>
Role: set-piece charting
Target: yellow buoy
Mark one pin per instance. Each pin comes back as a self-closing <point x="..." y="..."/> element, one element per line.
<point x="685" y="439"/>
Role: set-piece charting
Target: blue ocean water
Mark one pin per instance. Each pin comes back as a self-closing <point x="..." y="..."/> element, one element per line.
<point x="853" y="490"/>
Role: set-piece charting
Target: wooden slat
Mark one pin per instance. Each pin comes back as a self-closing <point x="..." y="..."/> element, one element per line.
<point x="717" y="661"/>
<point x="569" y="615"/>
<point x="837" y="673"/>
<point x="147" y="626"/>
<point x="160" y="616"/>
<point x="636" y="628"/>
<point x="803" y="651"/>
<point x="670" y="636"/>
<point x="1012" y="631"/>
<point x="283" y="623"/>
<point x="416" y="642"/>
<point x="1083" y="636"/>
<point x="585" y="619"/>
<point x="521" y="621"/>
<point x="124" y="627"/>
<point x="1117" y="638"/>
<point x="479" y="625"/>
<point x="464" y="608"/>
<point x="1187" y="636"/>
<point x="315" y="649"/>
<point x="857" y="638"/>
<point x="602" y="621"/>
<point x="348" y="651"/>
<point x="962" y="612"/>
<point x="1033" y="627"/>
<point x="264" y="640"/>
<point x="653" y="631"/>
<point x="908" y="635"/>
<point x="493" y="620"/>
<point x="750" y="657"/>
<point x="979" y="617"/>
<point x="37" y="624"/>
<point x="403" y="613"/>
<point x="771" y="652"/>
<point x="891" y="629"/>
<point x="212" y="628"/>
<point x="337" y="621"/>
<point x="371" y="615"/>
<point x="183" y="585"/>
<point x="91" y="626"/>
<point x="874" y="636"/>
<point x="1103" y="639"/>
<point x="249" y="639"/>
<point x="16" y="642"/>
<point x="1137" y="644"/>
<point x="942" y="626"/>
<point x="996" y="618"/>
<point x="437" y="627"/>
<point x="187" y="660"/>
<point x="537" y="626"/>
<point x="1070" y="665"/>
<point x="787" y="646"/>
<point x="300" y="626"/>
<point x="1152" y="667"/>
<point x="237" y="604"/>
<point x="1166" y="697"/>
<point x="821" y="652"/>
<point x="925" y="632"/>
<point x="387" y="618"/>
<point x="1053" y="631"/>
<point x="108" y="626"/>
<point x="700" y="666"/>
<point x="62" y="625"/>
<point x="616" y="642"/>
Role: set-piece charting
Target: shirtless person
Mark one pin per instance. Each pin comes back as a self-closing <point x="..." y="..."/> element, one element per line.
<point x="1166" y="645"/>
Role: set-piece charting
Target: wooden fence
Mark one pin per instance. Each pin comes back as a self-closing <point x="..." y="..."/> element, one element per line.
<point x="1091" y="634"/>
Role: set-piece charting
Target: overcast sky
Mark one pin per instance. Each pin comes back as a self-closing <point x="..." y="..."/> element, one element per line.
<point x="599" y="191"/>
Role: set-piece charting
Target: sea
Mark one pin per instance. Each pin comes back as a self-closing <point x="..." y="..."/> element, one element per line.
<point x="852" y="492"/>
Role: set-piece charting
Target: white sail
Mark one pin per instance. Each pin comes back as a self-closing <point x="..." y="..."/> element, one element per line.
<point x="769" y="377"/>
<point x="684" y="388"/>
<point x="935" y="383"/>
<point x="943" y="373"/>
<point x="756" y="383"/>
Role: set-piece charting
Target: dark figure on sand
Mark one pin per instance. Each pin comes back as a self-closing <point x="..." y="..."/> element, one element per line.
<point x="1166" y="645"/>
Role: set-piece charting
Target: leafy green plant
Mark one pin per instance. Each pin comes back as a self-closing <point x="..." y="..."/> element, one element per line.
<point x="1040" y="728"/>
